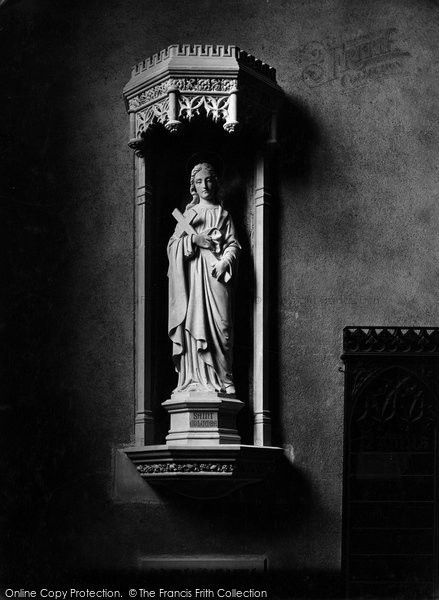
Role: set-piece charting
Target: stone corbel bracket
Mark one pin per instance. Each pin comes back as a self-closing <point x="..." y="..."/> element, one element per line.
<point x="204" y="471"/>
<point x="181" y="82"/>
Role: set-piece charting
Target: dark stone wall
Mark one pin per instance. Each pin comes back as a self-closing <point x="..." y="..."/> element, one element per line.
<point x="356" y="243"/>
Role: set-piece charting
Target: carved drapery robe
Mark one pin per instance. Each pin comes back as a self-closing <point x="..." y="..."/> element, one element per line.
<point x="200" y="305"/>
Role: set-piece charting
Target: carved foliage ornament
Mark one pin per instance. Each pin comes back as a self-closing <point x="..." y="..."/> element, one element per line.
<point x="204" y="85"/>
<point x="215" y="108"/>
<point x="174" y="467"/>
<point x="254" y="469"/>
<point x="190" y="106"/>
<point x="156" y="113"/>
<point x="213" y="85"/>
<point x="149" y="95"/>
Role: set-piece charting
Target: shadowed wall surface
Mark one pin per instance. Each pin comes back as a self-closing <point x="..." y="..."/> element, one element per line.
<point x="355" y="242"/>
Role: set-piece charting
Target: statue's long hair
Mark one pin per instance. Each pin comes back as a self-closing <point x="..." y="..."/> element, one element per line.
<point x="195" y="170"/>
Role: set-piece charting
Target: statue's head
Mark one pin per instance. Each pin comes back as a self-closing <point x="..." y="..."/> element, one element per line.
<point x="204" y="181"/>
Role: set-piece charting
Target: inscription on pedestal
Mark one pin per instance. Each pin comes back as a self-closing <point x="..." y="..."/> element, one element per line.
<point x="204" y="419"/>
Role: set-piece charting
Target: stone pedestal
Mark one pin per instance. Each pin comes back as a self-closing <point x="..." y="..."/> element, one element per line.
<point x="202" y="419"/>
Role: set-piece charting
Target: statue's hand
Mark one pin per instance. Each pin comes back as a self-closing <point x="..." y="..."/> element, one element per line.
<point x="203" y="241"/>
<point x="219" y="268"/>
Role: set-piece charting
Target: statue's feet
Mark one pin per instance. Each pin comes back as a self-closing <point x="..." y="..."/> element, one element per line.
<point x="195" y="387"/>
<point x="199" y="387"/>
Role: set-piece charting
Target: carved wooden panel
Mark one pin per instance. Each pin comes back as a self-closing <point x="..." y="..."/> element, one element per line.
<point x="390" y="471"/>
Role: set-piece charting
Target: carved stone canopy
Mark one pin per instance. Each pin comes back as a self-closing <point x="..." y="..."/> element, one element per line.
<point x="222" y="83"/>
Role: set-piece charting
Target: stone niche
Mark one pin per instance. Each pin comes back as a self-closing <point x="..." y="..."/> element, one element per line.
<point x="202" y="100"/>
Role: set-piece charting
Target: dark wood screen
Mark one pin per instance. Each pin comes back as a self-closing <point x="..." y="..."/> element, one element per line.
<point x="390" y="467"/>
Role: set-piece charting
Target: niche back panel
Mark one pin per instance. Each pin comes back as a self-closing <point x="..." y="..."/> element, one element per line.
<point x="170" y="174"/>
<point x="390" y="504"/>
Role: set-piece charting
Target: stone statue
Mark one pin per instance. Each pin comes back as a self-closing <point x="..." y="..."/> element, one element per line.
<point x="203" y="259"/>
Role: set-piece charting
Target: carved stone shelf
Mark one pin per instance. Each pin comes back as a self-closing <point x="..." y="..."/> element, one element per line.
<point x="204" y="471"/>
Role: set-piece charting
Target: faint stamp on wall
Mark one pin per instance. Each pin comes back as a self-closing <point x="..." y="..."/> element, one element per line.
<point x="354" y="62"/>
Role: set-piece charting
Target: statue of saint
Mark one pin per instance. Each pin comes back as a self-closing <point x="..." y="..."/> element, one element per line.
<point x="203" y="259"/>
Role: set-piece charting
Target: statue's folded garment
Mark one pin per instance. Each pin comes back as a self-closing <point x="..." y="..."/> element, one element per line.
<point x="200" y="304"/>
